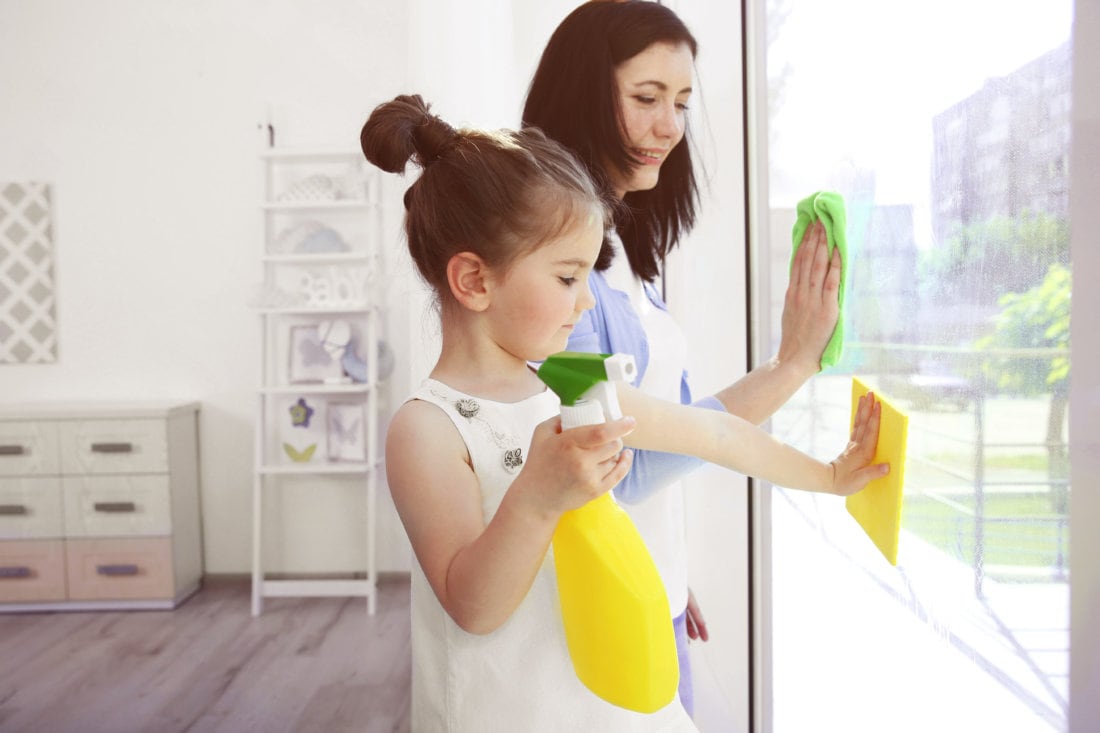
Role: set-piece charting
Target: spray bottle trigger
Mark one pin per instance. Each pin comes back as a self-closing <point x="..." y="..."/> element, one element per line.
<point x="620" y="368"/>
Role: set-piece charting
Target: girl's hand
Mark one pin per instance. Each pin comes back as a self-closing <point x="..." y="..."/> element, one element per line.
<point x="566" y="469"/>
<point x="810" y="309"/>
<point x="852" y="470"/>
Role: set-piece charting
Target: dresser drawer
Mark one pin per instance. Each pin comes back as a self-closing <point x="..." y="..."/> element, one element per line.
<point x="119" y="569"/>
<point x="113" y="446"/>
<point x="117" y="506"/>
<point x="28" y="448"/>
<point x="99" y="505"/>
<point x="32" y="570"/>
<point x="30" y="508"/>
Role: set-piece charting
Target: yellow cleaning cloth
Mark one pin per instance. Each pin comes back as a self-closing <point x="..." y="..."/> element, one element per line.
<point x="878" y="507"/>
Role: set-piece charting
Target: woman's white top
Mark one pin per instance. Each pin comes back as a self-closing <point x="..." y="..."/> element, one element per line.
<point x="660" y="516"/>
<point x="519" y="678"/>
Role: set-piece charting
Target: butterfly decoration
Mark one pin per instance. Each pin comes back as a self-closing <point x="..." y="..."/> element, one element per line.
<point x="313" y="352"/>
<point x="348" y="434"/>
<point x="345" y="432"/>
<point x="300" y="413"/>
<point x="300" y="456"/>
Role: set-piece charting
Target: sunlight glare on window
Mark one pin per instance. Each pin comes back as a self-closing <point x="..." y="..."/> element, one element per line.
<point x="945" y="127"/>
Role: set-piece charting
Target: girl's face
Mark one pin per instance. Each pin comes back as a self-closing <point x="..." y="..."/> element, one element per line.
<point x="542" y="295"/>
<point x="654" y="88"/>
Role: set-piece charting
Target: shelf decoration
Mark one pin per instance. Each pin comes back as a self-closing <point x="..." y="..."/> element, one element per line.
<point x="300" y="413"/>
<point x="335" y="337"/>
<point x="28" y="324"/>
<point x="346" y="440"/>
<point x="302" y="428"/>
<point x="309" y="237"/>
<point x="334" y="287"/>
<point x="351" y="186"/>
<point x="310" y="361"/>
<point x="356" y="367"/>
<point x="300" y="456"/>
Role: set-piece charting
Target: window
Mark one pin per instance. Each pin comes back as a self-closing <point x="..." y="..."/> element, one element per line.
<point x="946" y="128"/>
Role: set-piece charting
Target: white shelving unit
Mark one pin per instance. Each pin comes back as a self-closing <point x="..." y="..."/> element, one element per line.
<point x="317" y="400"/>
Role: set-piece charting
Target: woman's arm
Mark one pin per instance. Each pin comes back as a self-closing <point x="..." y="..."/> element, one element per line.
<point x="728" y="440"/>
<point x="810" y="313"/>
<point x="480" y="572"/>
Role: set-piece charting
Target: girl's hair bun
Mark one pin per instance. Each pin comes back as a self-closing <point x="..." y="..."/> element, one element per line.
<point x="405" y="129"/>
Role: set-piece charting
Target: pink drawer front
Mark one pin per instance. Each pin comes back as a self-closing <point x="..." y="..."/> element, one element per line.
<point x="120" y="569"/>
<point x="32" y="570"/>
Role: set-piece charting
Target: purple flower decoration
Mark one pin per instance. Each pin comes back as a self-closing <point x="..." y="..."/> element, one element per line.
<point x="300" y="413"/>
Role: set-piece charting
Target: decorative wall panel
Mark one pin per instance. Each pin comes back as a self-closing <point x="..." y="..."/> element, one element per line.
<point x="28" y="325"/>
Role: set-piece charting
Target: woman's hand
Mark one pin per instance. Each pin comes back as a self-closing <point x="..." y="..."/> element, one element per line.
<point x="696" y="625"/>
<point x="853" y="470"/>
<point x="810" y="308"/>
<point x="568" y="468"/>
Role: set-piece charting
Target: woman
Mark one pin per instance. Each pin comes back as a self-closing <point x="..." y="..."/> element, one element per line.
<point x="613" y="85"/>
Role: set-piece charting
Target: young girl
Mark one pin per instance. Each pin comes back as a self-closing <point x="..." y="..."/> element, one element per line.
<point x="506" y="227"/>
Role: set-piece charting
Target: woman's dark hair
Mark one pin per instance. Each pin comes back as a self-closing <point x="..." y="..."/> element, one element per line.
<point x="573" y="98"/>
<point x="497" y="194"/>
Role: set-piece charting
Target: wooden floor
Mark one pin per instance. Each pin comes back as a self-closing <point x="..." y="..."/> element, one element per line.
<point x="303" y="665"/>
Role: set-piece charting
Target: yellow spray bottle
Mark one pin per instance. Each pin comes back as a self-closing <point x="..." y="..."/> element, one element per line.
<point x="617" y="620"/>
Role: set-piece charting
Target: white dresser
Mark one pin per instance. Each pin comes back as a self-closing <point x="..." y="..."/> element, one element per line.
<point x="99" y="505"/>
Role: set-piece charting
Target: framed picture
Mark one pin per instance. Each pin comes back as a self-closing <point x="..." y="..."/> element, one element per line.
<point x="310" y="361"/>
<point x="346" y="432"/>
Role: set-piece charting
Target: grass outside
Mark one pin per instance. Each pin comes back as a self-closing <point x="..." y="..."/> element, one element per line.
<point x="1020" y="530"/>
<point x="1036" y="462"/>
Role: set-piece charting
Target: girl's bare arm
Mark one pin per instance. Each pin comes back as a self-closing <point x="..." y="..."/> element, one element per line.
<point x="730" y="441"/>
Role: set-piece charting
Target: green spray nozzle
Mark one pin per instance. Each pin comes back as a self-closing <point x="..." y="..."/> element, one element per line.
<point x="581" y="380"/>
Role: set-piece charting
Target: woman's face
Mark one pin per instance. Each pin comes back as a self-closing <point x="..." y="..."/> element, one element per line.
<point x="654" y="88"/>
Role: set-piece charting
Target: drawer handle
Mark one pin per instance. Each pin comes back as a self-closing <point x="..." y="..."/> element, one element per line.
<point x="12" y="510"/>
<point x="112" y="447"/>
<point x="16" y="571"/>
<point x="117" y="507"/>
<point x="12" y="450"/>
<point x="114" y="570"/>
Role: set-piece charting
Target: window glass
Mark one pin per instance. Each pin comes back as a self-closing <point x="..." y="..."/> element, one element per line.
<point x="945" y="127"/>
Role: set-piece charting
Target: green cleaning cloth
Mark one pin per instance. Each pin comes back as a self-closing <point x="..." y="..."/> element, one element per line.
<point x="829" y="207"/>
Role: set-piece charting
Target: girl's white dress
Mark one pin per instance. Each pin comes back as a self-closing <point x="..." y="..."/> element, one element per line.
<point x="517" y="679"/>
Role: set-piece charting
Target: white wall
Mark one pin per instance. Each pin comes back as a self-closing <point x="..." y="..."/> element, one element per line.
<point x="142" y="117"/>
